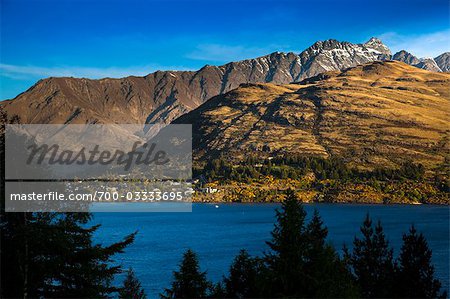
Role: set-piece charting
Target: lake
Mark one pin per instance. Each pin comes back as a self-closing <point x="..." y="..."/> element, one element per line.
<point x="217" y="235"/>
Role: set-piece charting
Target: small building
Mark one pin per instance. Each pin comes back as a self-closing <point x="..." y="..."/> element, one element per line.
<point x="209" y="190"/>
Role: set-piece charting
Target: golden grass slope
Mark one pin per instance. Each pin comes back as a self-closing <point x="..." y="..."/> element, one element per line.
<point x="377" y="114"/>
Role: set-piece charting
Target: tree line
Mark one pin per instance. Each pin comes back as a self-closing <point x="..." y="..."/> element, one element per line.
<point x="295" y="166"/>
<point x="301" y="264"/>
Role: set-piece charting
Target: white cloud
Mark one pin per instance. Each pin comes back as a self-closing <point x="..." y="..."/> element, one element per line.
<point x="226" y="53"/>
<point x="26" y="72"/>
<point x="423" y="45"/>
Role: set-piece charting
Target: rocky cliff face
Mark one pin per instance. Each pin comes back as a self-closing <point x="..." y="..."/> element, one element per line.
<point x="164" y="95"/>
<point x="333" y="55"/>
<point x="443" y="61"/>
<point x="440" y="63"/>
<point x="428" y="64"/>
<point x="406" y="57"/>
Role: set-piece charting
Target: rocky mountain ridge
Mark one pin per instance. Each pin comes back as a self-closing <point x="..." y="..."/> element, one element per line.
<point x="165" y="95"/>
<point x="440" y="63"/>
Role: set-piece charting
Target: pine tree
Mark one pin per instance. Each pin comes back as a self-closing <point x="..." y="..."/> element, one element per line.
<point x="189" y="281"/>
<point x="53" y="254"/>
<point x="326" y="275"/>
<point x="218" y="291"/>
<point x="316" y="231"/>
<point x="415" y="275"/>
<point x="131" y="288"/>
<point x="288" y="245"/>
<point x="371" y="262"/>
<point x="245" y="277"/>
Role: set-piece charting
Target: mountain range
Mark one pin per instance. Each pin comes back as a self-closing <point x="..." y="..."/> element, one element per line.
<point x="163" y="96"/>
<point x="379" y="113"/>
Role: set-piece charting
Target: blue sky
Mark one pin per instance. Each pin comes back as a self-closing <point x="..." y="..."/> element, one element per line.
<point x="108" y="38"/>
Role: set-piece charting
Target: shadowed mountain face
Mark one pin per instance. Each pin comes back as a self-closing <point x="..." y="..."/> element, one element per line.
<point x="406" y="57"/>
<point x="376" y="114"/>
<point x="163" y="96"/>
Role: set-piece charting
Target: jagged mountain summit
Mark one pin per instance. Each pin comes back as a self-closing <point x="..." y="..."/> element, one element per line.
<point x="334" y="55"/>
<point x="162" y="96"/>
<point x="428" y="64"/>
<point x="373" y="115"/>
<point x="440" y="63"/>
<point x="443" y="61"/>
<point x="406" y="57"/>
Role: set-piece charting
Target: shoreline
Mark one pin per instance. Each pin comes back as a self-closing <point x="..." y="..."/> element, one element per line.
<point x="324" y="203"/>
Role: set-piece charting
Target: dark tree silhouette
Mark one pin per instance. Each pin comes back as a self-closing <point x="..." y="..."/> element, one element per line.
<point x="246" y="277"/>
<point x="131" y="288"/>
<point x="53" y="254"/>
<point x="301" y="264"/>
<point x="189" y="281"/>
<point x="371" y="261"/>
<point x="288" y="247"/>
<point x="325" y="274"/>
<point x="415" y="274"/>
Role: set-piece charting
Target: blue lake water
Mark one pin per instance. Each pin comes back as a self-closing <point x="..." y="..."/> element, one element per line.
<point x="217" y="235"/>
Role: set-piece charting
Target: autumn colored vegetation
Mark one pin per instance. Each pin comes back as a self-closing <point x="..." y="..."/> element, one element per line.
<point x="316" y="179"/>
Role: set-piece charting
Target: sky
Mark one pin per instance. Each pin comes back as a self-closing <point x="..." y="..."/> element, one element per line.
<point x="111" y="38"/>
